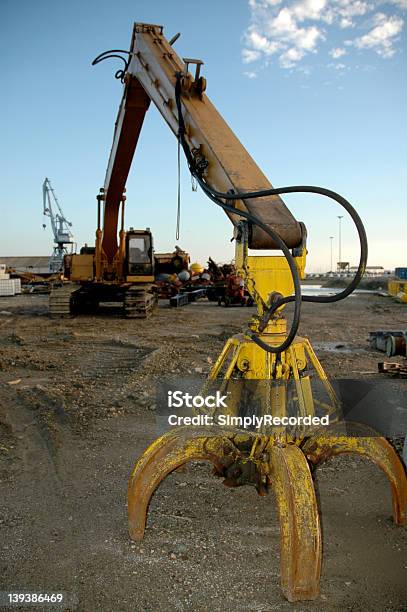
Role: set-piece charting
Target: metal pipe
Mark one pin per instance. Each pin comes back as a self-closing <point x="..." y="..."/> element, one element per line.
<point x="340" y="240"/>
<point x="122" y="220"/>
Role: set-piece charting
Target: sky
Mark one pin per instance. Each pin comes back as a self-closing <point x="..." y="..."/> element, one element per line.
<point x="315" y="90"/>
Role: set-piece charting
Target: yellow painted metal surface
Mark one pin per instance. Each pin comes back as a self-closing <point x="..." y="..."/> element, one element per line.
<point x="272" y="272"/>
<point x="368" y="444"/>
<point x="398" y="289"/>
<point x="397" y="286"/>
<point x="81" y="268"/>
<point x="265" y="274"/>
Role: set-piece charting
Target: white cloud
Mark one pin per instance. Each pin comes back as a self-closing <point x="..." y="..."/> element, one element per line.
<point x="400" y="3"/>
<point x="251" y="74"/>
<point x="309" y="9"/>
<point x="348" y="10"/>
<point x="280" y="32"/>
<point x="262" y="43"/>
<point x="289" y="58"/>
<point x="382" y="36"/>
<point x="345" y="22"/>
<point x="307" y="38"/>
<point x="338" y="66"/>
<point x="288" y="31"/>
<point x="337" y="52"/>
<point x="250" y="55"/>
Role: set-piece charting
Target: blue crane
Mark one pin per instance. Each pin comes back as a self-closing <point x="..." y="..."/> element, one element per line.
<point x="59" y="224"/>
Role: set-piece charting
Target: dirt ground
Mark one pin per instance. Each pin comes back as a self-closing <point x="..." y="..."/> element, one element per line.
<point x="77" y="409"/>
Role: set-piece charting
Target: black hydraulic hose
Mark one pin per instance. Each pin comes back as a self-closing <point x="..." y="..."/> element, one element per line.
<point x="119" y="74"/>
<point x="217" y="197"/>
<point x="330" y="194"/>
<point x="320" y="191"/>
<point x="294" y="272"/>
<point x="255" y="220"/>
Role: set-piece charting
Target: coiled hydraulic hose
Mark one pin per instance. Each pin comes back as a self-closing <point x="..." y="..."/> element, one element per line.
<point x="297" y="298"/>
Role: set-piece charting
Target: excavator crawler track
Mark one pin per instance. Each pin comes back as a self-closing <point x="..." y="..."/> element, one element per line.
<point x="139" y="303"/>
<point x="60" y="301"/>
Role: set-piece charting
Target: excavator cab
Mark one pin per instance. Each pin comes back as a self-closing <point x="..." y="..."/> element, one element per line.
<point x="139" y="254"/>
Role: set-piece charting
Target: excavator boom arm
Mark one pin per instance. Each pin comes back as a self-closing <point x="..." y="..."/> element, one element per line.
<point x="133" y="108"/>
<point x="151" y="75"/>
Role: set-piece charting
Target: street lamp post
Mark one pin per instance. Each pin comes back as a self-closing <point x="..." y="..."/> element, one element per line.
<point x="331" y="238"/>
<point x="340" y="240"/>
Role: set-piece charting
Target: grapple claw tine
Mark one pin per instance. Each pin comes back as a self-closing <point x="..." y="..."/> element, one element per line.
<point x="162" y="457"/>
<point x="300" y="532"/>
<point x="366" y="443"/>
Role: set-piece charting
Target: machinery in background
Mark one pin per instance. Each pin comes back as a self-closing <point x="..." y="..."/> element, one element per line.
<point x="171" y="263"/>
<point x="171" y="272"/>
<point x="125" y="281"/>
<point x="390" y="342"/>
<point x="60" y="227"/>
<point x="228" y="287"/>
<point x="120" y="269"/>
<point x="394" y="344"/>
<point x="398" y="287"/>
<point x="114" y="273"/>
<point x="235" y="294"/>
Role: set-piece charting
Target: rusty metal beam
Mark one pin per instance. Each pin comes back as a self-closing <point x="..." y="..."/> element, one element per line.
<point x="300" y="531"/>
<point x="133" y="108"/>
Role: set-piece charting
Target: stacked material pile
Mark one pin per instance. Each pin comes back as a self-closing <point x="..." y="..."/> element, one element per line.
<point x="8" y="286"/>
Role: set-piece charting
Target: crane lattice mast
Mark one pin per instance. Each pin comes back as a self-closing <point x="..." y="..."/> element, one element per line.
<point x="59" y="224"/>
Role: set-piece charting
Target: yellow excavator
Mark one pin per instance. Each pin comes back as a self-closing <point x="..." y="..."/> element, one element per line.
<point x="113" y="271"/>
<point x="267" y="353"/>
